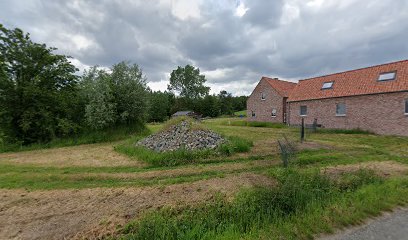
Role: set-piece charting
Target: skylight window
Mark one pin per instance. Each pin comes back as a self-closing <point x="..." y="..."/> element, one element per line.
<point x="387" y="76"/>
<point x="327" y="85"/>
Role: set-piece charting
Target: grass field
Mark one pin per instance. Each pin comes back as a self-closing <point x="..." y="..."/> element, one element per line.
<point x="337" y="179"/>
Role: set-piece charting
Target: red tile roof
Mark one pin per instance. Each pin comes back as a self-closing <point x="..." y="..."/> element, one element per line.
<point x="282" y="87"/>
<point x="351" y="83"/>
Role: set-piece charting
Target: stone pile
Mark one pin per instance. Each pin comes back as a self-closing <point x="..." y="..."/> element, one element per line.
<point x="182" y="135"/>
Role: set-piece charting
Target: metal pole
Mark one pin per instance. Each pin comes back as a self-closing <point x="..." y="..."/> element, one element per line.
<point x="302" y="131"/>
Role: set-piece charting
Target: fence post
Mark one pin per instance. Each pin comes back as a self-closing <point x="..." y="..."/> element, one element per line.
<point x="302" y="131"/>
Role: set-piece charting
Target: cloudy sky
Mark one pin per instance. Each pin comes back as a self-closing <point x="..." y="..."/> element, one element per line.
<point x="233" y="42"/>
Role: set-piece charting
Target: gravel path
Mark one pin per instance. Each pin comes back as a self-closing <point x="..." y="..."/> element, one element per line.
<point x="390" y="226"/>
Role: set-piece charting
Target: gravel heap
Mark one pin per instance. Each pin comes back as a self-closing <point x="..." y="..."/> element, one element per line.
<point x="182" y="135"/>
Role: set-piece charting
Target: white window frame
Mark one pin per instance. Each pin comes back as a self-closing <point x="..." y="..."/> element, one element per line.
<point x="300" y="111"/>
<point x="406" y="107"/>
<point x="341" y="114"/>
<point x="387" y="76"/>
<point x="327" y="85"/>
<point x="272" y="112"/>
<point x="263" y="96"/>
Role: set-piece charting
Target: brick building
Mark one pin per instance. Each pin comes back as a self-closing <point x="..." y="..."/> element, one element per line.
<point x="267" y="103"/>
<point x="373" y="99"/>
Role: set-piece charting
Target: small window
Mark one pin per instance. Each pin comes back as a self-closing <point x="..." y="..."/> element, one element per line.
<point x="303" y="110"/>
<point x="273" y="113"/>
<point x="253" y="114"/>
<point x="327" y="85"/>
<point x="340" y="109"/>
<point x="406" y="106"/>
<point x="262" y="96"/>
<point x="387" y="76"/>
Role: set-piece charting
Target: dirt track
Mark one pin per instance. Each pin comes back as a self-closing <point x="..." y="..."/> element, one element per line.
<point x="59" y="214"/>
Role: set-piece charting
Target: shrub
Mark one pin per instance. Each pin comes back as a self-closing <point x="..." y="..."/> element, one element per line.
<point x="287" y="150"/>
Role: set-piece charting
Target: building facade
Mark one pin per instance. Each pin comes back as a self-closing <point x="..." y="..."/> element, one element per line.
<point x="374" y="99"/>
<point x="267" y="103"/>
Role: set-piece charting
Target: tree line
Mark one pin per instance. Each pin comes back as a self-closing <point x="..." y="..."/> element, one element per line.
<point x="42" y="97"/>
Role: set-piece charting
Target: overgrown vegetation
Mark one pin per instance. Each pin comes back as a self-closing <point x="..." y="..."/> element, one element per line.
<point x="297" y="195"/>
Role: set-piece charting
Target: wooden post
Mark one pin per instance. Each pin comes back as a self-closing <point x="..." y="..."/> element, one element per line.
<point x="302" y="131"/>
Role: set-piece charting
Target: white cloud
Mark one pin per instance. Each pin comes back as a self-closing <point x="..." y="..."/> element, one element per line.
<point x="185" y="9"/>
<point x="241" y="10"/>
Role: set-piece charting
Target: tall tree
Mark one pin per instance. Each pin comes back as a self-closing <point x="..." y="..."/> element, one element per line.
<point x="159" y="106"/>
<point x="96" y="89"/>
<point x="130" y="92"/>
<point x="188" y="82"/>
<point x="37" y="89"/>
<point x="225" y="100"/>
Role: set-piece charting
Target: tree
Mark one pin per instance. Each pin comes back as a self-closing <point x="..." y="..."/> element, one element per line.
<point x="38" y="89"/>
<point x="159" y="106"/>
<point x="100" y="108"/>
<point x="210" y="106"/>
<point x="188" y="82"/>
<point x="130" y="91"/>
<point x="225" y="100"/>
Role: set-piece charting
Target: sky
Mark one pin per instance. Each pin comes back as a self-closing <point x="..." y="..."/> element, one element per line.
<point x="233" y="42"/>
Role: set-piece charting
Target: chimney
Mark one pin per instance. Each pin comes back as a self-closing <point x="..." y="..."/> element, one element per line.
<point x="276" y="78"/>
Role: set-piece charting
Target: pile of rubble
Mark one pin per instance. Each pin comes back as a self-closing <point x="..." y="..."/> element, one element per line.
<point x="182" y="135"/>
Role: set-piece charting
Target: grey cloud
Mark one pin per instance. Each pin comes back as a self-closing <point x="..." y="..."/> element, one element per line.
<point x="333" y="37"/>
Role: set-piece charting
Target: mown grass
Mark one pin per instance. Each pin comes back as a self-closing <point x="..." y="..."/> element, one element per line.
<point x="242" y="113"/>
<point x="182" y="156"/>
<point x="244" y="123"/>
<point x="256" y="213"/>
<point x="98" y="136"/>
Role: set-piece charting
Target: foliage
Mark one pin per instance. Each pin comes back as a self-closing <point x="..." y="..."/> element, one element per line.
<point x="130" y="92"/>
<point x="226" y="102"/>
<point x="188" y="82"/>
<point x="159" y="110"/>
<point x="100" y="110"/>
<point x="287" y="150"/>
<point x="114" y="98"/>
<point x="37" y="90"/>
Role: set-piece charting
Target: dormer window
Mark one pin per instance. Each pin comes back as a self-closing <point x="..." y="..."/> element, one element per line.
<point x="327" y="85"/>
<point x="387" y="76"/>
<point x="262" y="96"/>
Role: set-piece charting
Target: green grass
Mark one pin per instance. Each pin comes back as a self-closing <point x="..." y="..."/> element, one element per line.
<point x="182" y="156"/>
<point x="241" y="113"/>
<point x="262" y="213"/>
<point x="107" y="135"/>
<point x="244" y="123"/>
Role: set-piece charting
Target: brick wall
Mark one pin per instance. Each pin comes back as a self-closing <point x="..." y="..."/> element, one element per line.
<point x="263" y="108"/>
<point x="380" y="113"/>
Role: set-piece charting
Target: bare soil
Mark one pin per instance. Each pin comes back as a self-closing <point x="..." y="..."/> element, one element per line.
<point x="95" y="155"/>
<point x="384" y="169"/>
<point x="92" y="213"/>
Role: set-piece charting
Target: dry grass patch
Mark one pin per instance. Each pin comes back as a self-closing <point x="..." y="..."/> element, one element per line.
<point x="383" y="169"/>
<point x="91" y="213"/>
<point x="95" y="155"/>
